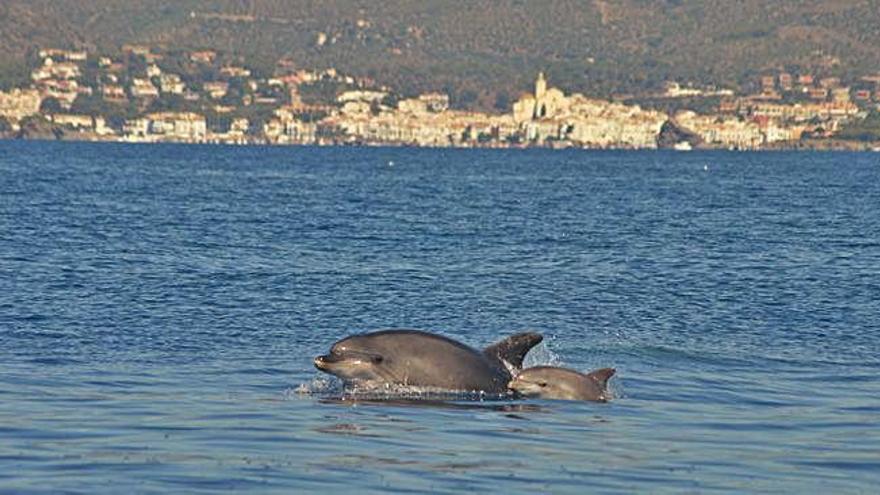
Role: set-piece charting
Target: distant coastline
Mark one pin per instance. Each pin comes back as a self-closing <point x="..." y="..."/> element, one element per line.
<point x="147" y="95"/>
<point x="829" y="145"/>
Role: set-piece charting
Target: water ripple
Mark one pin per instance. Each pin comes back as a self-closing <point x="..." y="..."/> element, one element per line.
<point x="160" y="308"/>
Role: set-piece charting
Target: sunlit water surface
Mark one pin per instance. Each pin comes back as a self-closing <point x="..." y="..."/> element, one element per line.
<point x="160" y="307"/>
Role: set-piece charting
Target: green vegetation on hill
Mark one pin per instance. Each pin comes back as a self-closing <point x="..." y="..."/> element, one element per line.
<point x="867" y="129"/>
<point x="481" y="50"/>
<point x="13" y="74"/>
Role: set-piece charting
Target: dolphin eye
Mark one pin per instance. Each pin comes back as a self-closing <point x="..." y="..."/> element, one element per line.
<point x="542" y="384"/>
<point x="377" y="359"/>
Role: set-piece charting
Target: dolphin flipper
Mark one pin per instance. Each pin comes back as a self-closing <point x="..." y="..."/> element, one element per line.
<point x="513" y="349"/>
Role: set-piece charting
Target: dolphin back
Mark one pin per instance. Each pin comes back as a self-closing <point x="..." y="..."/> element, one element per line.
<point x="513" y="349"/>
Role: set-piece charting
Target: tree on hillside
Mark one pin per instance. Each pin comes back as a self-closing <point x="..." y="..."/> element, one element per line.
<point x="867" y="129"/>
<point x="51" y="105"/>
<point x="96" y="105"/>
<point x="502" y="101"/>
<point x="13" y="75"/>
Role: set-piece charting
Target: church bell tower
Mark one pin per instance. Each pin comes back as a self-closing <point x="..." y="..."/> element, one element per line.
<point x="540" y="110"/>
<point x="540" y="86"/>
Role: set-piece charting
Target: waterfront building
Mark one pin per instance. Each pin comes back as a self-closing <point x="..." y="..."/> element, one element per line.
<point x="74" y="121"/>
<point x="285" y="128"/>
<point x="19" y="103"/>
<point x="727" y="132"/>
<point x="178" y="126"/>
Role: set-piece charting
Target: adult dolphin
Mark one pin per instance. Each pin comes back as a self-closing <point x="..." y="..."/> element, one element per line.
<point x="551" y="382"/>
<point x="412" y="358"/>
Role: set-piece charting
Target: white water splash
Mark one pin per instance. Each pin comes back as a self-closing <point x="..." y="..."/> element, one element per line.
<point x="409" y="392"/>
<point x="318" y="385"/>
<point x="541" y="355"/>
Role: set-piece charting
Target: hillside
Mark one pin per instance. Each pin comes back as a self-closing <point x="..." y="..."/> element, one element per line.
<point x="482" y="52"/>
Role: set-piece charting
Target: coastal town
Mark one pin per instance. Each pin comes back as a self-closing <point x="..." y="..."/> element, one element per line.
<point x="143" y="94"/>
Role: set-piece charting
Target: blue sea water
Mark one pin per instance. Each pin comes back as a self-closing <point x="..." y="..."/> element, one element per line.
<point x="160" y="307"/>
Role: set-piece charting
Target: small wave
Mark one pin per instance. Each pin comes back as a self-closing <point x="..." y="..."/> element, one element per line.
<point x="423" y="393"/>
<point x="317" y="386"/>
<point x="54" y="361"/>
<point x="508" y="407"/>
<point x="334" y="389"/>
<point x="668" y="354"/>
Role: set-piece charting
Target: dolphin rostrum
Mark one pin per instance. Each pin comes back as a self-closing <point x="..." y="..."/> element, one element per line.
<point x="412" y="358"/>
<point x="550" y="382"/>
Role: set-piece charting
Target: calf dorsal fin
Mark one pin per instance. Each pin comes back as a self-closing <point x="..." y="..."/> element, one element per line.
<point x="513" y="349"/>
<point x="601" y="376"/>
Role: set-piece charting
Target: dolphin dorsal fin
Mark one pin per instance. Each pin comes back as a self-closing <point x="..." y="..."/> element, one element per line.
<point x="601" y="376"/>
<point x="513" y="349"/>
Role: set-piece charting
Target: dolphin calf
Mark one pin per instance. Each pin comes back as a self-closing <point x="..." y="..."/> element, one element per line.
<point x="550" y="382"/>
<point x="412" y="358"/>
